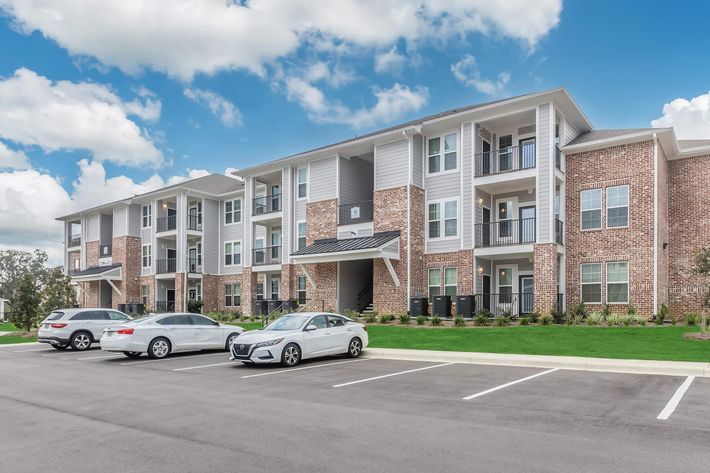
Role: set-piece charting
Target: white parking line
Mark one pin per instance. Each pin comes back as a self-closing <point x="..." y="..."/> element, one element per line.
<point x="99" y="357"/>
<point x="289" y="370"/>
<point x="502" y="386"/>
<point x="675" y="400"/>
<point x="391" y="374"/>
<point x="34" y="349"/>
<point x="170" y="359"/>
<point x="203" y="366"/>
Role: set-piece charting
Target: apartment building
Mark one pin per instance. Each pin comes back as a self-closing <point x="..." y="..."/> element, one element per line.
<point x="519" y="203"/>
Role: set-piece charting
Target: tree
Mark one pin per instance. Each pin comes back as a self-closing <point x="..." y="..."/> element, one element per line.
<point x="25" y="304"/>
<point x="57" y="292"/>
<point x="702" y="267"/>
<point x="15" y="264"/>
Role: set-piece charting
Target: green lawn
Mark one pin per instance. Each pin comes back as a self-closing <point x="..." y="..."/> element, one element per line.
<point x="7" y="327"/>
<point x="247" y="325"/>
<point x="644" y="343"/>
<point x="5" y="339"/>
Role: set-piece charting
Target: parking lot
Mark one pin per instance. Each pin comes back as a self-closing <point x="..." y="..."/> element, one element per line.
<point x="94" y="411"/>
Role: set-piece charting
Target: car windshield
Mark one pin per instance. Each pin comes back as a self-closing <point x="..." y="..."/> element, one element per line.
<point x="290" y="322"/>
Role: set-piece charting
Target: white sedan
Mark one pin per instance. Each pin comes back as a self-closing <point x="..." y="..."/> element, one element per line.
<point x="160" y="335"/>
<point x="295" y="337"/>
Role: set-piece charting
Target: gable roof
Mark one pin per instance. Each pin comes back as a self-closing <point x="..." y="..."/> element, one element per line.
<point x="333" y="245"/>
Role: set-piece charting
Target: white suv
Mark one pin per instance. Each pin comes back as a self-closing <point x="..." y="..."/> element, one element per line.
<point x="77" y="328"/>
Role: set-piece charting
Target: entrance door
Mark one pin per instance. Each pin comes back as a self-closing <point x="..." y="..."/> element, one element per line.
<point x="170" y="297"/>
<point x="275" y="198"/>
<point x="486" y="161"/>
<point x="505" y="153"/>
<point x="527" y="153"/>
<point x="172" y="256"/>
<point x="527" y="224"/>
<point x="486" y="291"/>
<point x="527" y="286"/>
<point x="275" y="289"/>
<point x="192" y="260"/>
<point x="486" y="228"/>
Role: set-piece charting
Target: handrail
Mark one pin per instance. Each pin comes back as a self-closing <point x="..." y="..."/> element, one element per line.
<point x="367" y="289"/>
<point x="266" y="204"/>
<point x="511" y="158"/>
<point x="167" y="223"/>
<point x="265" y="255"/>
<point x="505" y="232"/>
<point x="266" y="318"/>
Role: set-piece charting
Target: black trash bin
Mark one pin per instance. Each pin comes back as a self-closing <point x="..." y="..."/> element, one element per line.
<point x="139" y="309"/>
<point x="464" y="306"/>
<point x="132" y="308"/>
<point x="123" y="308"/>
<point x="290" y="305"/>
<point x="261" y="307"/>
<point x="274" y="305"/>
<point x="441" y="306"/>
<point x="419" y="306"/>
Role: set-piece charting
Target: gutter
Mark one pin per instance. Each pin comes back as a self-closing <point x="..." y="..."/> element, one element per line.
<point x="655" y="224"/>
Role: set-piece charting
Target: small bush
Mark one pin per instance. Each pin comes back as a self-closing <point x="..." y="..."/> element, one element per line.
<point x="662" y="314"/>
<point x="351" y="314"/>
<point x="631" y="311"/>
<point x="580" y="311"/>
<point x="558" y="316"/>
<point x="627" y="319"/>
<point x="606" y="311"/>
<point x="252" y="317"/>
<point x="481" y="319"/>
<point x="436" y="321"/>
<point x="404" y="319"/>
<point x="534" y="317"/>
<point x="524" y="321"/>
<point x="420" y="320"/>
<point x="545" y="319"/>
<point x="370" y="318"/>
<point x="459" y="321"/>
<point x="502" y="320"/>
<point x="692" y="319"/>
<point x="614" y="319"/>
<point x="385" y="318"/>
<point x="572" y="320"/>
<point x="673" y="320"/>
<point x="641" y="320"/>
<point x="595" y="318"/>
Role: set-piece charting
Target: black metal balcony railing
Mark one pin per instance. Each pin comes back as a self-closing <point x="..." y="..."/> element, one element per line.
<point x="505" y="232"/>
<point x="75" y="240"/>
<point x="510" y="304"/>
<point x="163" y="266"/>
<point x="104" y="251"/>
<point x="165" y="224"/>
<point x="558" y="158"/>
<point x="194" y="265"/>
<point x="194" y="222"/>
<point x="266" y="204"/>
<point x="509" y="159"/>
<point x="357" y="212"/>
<point x="164" y="306"/>
<point x="559" y="231"/>
<point x="266" y="255"/>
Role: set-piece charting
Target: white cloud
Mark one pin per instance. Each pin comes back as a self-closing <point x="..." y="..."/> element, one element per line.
<point x="390" y="104"/>
<point x="10" y="159"/>
<point x="390" y="61"/>
<point x="690" y="118"/>
<point x="220" y="107"/>
<point x="334" y="76"/>
<point x="466" y="71"/>
<point x="76" y="116"/>
<point x="185" y="37"/>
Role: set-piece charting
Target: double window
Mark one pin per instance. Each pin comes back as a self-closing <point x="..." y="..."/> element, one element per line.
<point x="591" y="279"/>
<point x="232" y="211"/>
<point x="232" y="253"/>
<point x="591" y="204"/>
<point x="442" y="148"/>
<point x="617" y="282"/>
<point x="147" y="216"/>
<point x="232" y="295"/>
<point x="146" y="260"/>
<point x="617" y="206"/>
<point x="450" y="282"/>
<point x="302" y="182"/>
<point x="301" y="235"/>
<point x="443" y="219"/>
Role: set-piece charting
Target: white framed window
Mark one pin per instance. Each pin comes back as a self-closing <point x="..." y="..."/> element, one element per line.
<point x="233" y="253"/>
<point x="275" y="289"/>
<point x="443" y="221"/>
<point x="146" y="260"/>
<point x="450" y="281"/>
<point x="591" y="207"/>
<point x="617" y="206"/>
<point x="434" y="282"/>
<point x="617" y="282"/>
<point x="147" y="214"/>
<point x="302" y="182"/>
<point x="232" y="211"/>
<point x="505" y="285"/>
<point x="591" y="282"/>
<point x="301" y="235"/>
<point x="301" y="290"/>
<point x="232" y="295"/>
<point x="442" y="158"/>
<point x="144" y="295"/>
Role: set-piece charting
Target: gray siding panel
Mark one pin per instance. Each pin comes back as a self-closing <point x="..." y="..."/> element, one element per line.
<point x="570" y="132"/>
<point x="545" y="166"/>
<point x="119" y="221"/>
<point x="443" y="246"/>
<point x="356" y="180"/>
<point x="287" y="205"/>
<point x="390" y="161"/>
<point x="134" y="220"/>
<point x="210" y="236"/>
<point x="467" y="197"/>
<point x="418" y="160"/>
<point x="92" y="228"/>
<point x="233" y="232"/>
<point x="322" y="180"/>
<point x="443" y="186"/>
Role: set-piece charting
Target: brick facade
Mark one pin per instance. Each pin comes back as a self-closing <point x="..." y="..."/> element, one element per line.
<point x="180" y="292"/>
<point x="322" y="218"/>
<point x="127" y="251"/>
<point x="390" y="213"/>
<point x="217" y="284"/>
<point x="545" y="262"/>
<point x="92" y="253"/>
<point x="210" y="293"/>
<point x="148" y="281"/>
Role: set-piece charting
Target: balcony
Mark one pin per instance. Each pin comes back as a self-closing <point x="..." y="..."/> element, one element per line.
<point x="194" y="222"/>
<point x="505" y="160"/>
<point x="505" y="232"/>
<point x="266" y="255"/>
<point x="74" y="240"/>
<point x="266" y="204"/>
<point x="164" y="306"/>
<point x="359" y="212"/>
<point x="194" y="265"/>
<point x="559" y="231"/>
<point x="163" y="266"/>
<point x="505" y="304"/>
<point x="166" y="224"/>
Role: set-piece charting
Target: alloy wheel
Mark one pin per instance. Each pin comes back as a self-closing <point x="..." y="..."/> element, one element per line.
<point x="81" y="341"/>
<point x="355" y="347"/>
<point x="160" y="349"/>
<point x="291" y="355"/>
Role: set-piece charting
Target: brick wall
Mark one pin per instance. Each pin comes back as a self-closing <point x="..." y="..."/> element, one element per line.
<point x="150" y="282"/>
<point x="74" y="256"/>
<point x="288" y="282"/>
<point x="219" y="297"/>
<point x="127" y="251"/>
<point x="248" y="280"/>
<point x="461" y="260"/>
<point x="180" y="296"/>
<point x="322" y="222"/>
<point x="663" y="228"/>
<point x="389" y="214"/>
<point x="210" y="293"/>
<point x="546" y="273"/>
<point x="92" y="253"/>
<point x="417" y="215"/>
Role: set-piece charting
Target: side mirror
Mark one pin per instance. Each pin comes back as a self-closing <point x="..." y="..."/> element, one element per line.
<point x="215" y="323"/>
<point x="311" y="327"/>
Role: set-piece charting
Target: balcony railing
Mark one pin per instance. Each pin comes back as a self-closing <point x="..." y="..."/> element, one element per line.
<point x="104" y="251"/>
<point x="357" y="212"/>
<point x="266" y="255"/>
<point x="503" y="160"/>
<point x="194" y="265"/>
<point x="75" y="240"/>
<point x="505" y="304"/>
<point x="194" y="222"/>
<point x="164" y="306"/>
<point x="559" y="231"/>
<point x="165" y="224"/>
<point x="163" y="266"/>
<point x="266" y="204"/>
<point x="506" y="232"/>
<point x="558" y="158"/>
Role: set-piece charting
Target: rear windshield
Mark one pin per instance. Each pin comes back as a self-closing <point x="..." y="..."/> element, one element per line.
<point x="55" y="316"/>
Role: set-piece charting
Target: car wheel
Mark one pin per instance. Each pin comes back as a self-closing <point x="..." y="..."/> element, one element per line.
<point x="60" y="347"/>
<point x="354" y="348"/>
<point x="291" y="355"/>
<point x="159" y="348"/>
<point x="80" y="341"/>
<point x="230" y="340"/>
<point x="132" y="354"/>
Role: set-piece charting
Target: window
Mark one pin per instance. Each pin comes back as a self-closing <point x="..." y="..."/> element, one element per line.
<point x="147" y="215"/>
<point x="275" y="244"/>
<point x="301" y="290"/>
<point x="449" y="219"/>
<point x="92" y="315"/>
<point x="450" y="281"/>
<point x="175" y="320"/>
<point x="591" y="204"/>
<point x="505" y="285"/>
<point x="232" y="253"/>
<point x="302" y="182"/>
<point x="117" y="316"/>
<point x="617" y="206"/>
<point x="335" y="321"/>
<point x="232" y="295"/>
<point x="451" y="225"/>
<point x="232" y="211"/>
<point x="144" y="295"/>
<point x="434" y="282"/>
<point x="617" y="283"/>
<point x="146" y="260"/>
<point x="434" y="224"/>
<point x="505" y="153"/>
<point x="275" y="289"/>
<point x="201" y="320"/>
<point x="259" y="291"/>
<point x="434" y="153"/>
<point x="301" y="235"/>
<point x="319" y="321"/>
<point x="591" y="277"/>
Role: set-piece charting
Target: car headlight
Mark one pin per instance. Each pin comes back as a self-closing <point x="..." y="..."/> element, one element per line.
<point x="270" y="343"/>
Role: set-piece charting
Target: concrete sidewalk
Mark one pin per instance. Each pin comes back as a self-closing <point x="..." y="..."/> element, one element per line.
<point x="670" y="368"/>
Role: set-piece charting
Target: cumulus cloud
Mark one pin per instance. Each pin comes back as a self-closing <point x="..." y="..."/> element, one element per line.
<point x="83" y="116"/>
<point x="690" y="118"/>
<point x="390" y="61"/>
<point x="183" y="37"/>
<point x="467" y="72"/>
<point x="334" y="76"/>
<point x="10" y="159"/>
<point x="220" y="107"/>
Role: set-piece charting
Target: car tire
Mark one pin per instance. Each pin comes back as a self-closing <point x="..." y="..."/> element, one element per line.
<point x="159" y="348"/>
<point x="132" y="354"/>
<point x="230" y="337"/>
<point x="60" y="347"/>
<point x="291" y="355"/>
<point x="354" y="348"/>
<point x="80" y="341"/>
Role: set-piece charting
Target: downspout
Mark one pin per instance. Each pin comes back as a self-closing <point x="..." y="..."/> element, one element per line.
<point x="410" y="163"/>
<point x="185" y="249"/>
<point x="655" y="224"/>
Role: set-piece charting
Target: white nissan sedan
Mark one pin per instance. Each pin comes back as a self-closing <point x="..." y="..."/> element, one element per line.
<point x="298" y="336"/>
<point x="160" y="335"/>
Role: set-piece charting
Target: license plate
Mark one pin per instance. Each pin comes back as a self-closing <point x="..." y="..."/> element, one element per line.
<point x="109" y="334"/>
<point x="45" y="325"/>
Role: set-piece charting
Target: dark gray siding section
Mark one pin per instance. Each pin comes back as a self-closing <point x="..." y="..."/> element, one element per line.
<point x="391" y="163"/>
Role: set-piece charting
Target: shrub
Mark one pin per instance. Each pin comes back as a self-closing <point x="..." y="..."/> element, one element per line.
<point x="436" y="321"/>
<point x="614" y="319"/>
<point x="404" y="319"/>
<point x="252" y="317"/>
<point x="572" y="320"/>
<point x="641" y="320"/>
<point x="631" y="311"/>
<point x="673" y="320"/>
<point x="502" y="320"/>
<point x="420" y="320"/>
<point x="370" y="318"/>
<point x="524" y="320"/>
<point x="580" y="311"/>
<point x="481" y="319"/>
<point x="627" y="319"/>
<point x="595" y="318"/>
<point x="545" y="319"/>
<point x="459" y="321"/>
<point x="351" y="314"/>
<point x="385" y="318"/>
<point x="662" y="314"/>
<point x="692" y="319"/>
<point x="534" y="317"/>
<point x="558" y="316"/>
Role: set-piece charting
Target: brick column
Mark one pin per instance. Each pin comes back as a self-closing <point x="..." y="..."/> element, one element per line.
<point x="180" y="296"/>
<point x="545" y="270"/>
<point x="322" y="222"/>
<point x="127" y="251"/>
<point x="150" y="282"/>
<point x="288" y="281"/>
<point x="92" y="253"/>
<point x="248" y="291"/>
<point x="210" y="293"/>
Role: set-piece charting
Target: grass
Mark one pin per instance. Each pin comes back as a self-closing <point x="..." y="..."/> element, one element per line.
<point x="6" y="339"/>
<point x="642" y="343"/>
<point x="246" y="325"/>
<point x="8" y="327"/>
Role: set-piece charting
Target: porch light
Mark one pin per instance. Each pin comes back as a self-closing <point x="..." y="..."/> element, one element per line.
<point x="480" y="201"/>
<point x="480" y="270"/>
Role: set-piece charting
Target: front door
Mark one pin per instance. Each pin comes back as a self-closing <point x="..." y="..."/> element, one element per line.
<point x="505" y="153"/>
<point x="275" y="289"/>
<point x="527" y="224"/>
<point x="486" y="161"/>
<point x="505" y="223"/>
<point x="170" y="297"/>
<point x="527" y="153"/>
<point x="527" y="286"/>
<point x="486" y="291"/>
<point x="171" y="260"/>
<point x="486" y="228"/>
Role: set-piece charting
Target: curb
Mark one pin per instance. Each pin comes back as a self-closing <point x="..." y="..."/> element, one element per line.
<point x="607" y="365"/>
<point x="21" y="344"/>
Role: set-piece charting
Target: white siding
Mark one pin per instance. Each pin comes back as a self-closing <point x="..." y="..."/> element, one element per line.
<point x="92" y="227"/>
<point x="210" y="236"/>
<point x="134" y="220"/>
<point x="287" y="197"/>
<point x="322" y="180"/>
<point x="120" y="221"/>
<point x="570" y="132"/>
<point x="232" y="232"/>
<point x="391" y="160"/>
<point x="545" y="168"/>
<point x="418" y="160"/>
<point x="466" y="163"/>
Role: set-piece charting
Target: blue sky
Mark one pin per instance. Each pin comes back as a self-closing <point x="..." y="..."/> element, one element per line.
<point x="295" y="78"/>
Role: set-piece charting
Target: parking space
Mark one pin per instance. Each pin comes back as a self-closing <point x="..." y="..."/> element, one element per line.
<point x="474" y="402"/>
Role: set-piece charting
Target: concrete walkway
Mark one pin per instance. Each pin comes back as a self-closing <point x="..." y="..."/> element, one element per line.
<point x="671" y="368"/>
